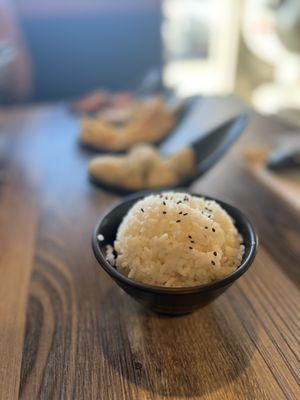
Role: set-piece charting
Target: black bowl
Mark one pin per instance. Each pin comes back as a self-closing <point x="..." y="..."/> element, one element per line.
<point x="170" y="300"/>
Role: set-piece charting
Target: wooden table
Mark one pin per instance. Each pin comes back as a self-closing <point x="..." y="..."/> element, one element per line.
<point x="68" y="332"/>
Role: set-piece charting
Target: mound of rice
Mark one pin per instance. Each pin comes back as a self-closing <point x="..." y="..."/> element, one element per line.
<point x="174" y="239"/>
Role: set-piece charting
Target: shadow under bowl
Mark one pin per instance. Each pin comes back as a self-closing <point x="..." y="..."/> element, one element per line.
<point x="170" y="300"/>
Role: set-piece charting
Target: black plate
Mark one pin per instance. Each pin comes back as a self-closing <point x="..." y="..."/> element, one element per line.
<point x="208" y="150"/>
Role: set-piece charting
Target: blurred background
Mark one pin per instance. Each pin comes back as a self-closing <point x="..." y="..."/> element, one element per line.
<point x="61" y="49"/>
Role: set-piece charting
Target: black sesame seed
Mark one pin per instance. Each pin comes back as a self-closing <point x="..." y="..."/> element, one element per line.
<point x="206" y="227"/>
<point x="180" y="213"/>
<point x="190" y="248"/>
<point x="215" y="253"/>
<point x="142" y="210"/>
<point x="213" y="229"/>
<point x="164" y="212"/>
<point x="190" y="236"/>
<point x="164" y="203"/>
<point x="213" y="263"/>
<point x="192" y="241"/>
<point x="185" y="214"/>
<point x="178" y="221"/>
<point x="178" y="202"/>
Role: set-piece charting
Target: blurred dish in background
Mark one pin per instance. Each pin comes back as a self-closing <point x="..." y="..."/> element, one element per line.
<point x="278" y="167"/>
<point x="286" y="156"/>
<point x="119" y="126"/>
<point x="143" y="168"/>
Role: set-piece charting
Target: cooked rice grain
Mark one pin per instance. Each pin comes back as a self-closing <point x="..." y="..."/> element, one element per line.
<point x="174" y="239"/>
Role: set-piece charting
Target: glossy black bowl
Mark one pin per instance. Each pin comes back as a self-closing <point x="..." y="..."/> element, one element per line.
<point x="163" y="299"/>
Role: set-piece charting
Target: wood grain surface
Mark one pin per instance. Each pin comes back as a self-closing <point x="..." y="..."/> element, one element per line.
<point x="68" y="332"/>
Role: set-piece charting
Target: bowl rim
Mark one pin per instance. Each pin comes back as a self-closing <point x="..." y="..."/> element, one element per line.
<point x="228" y="279"/>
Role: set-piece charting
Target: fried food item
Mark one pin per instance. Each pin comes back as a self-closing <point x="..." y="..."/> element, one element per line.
<point x="143" y="168"/>
<point x="121" y="128"/>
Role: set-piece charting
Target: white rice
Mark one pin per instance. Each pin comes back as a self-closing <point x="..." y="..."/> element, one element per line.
<point x="100" y="238"/>
<point x="177" y="240"/>
<point x="109" y="254"/>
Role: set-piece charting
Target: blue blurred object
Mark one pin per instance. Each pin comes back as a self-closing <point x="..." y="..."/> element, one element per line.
<point x="73" y="54"/>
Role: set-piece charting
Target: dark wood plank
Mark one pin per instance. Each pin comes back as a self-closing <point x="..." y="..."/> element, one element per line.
<point x="17" y="238"/>
<point x="81" y="336"/>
